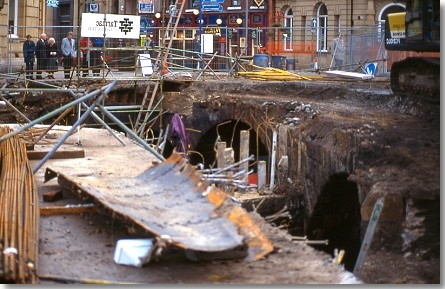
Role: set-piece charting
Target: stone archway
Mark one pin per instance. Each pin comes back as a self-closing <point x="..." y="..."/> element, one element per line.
<point x="336" y="217"/>
<point x="229" y="132"/>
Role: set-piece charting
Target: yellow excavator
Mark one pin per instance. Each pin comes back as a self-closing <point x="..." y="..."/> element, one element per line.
<point x="416" y="29"/>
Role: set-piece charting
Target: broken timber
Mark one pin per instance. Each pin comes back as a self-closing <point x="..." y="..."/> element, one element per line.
<point x="173" y="201"/>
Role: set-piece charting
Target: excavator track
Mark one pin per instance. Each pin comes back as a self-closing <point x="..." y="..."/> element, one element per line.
<point x="417" y="77"/>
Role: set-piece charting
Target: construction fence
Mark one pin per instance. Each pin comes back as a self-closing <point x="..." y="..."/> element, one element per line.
<point x="299" y="48"/>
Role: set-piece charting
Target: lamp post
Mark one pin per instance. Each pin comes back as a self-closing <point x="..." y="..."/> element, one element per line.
<point x="246" y="19"/>
<point x="157" y="16"/>
<point x="200" y="21"/>
<point x="239" y="21"/>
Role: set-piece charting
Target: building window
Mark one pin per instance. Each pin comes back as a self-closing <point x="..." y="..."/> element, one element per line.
<point x="390" y="8"/>
<point x="13" y="16"/>
<point x="322" y="20"/>
<point x="236" y="3"/>
<point x="337" y="23"/>
<point x="65" y="14"/>
<point x="288" y="29"/>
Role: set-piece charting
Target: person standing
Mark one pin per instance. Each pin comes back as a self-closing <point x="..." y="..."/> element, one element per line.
<point x="338" y="51"/>
<point x="68" y="53"/>
<point x="96" y="62"/>
<point x="197" y="48"/>
<point x="85" y="43"/>
<point x="41" y="55"/>
<point x="150" y="49"/>
<point x="29" y="48"/>
<point x="51" y="50"/>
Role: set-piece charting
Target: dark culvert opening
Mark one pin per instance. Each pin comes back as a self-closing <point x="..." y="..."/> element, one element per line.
<point x="229" y="132"/>
<point x="336" y="217"/>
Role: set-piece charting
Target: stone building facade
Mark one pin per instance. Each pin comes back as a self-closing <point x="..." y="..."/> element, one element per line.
<point x="309" y="27"/>
<point x="298" y="30"/>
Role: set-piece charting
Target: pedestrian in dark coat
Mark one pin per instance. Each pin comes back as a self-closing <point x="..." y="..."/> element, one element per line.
<point x="41" y="55"/>
<point x="29" y="48"/>
<point x="150" y="49"/>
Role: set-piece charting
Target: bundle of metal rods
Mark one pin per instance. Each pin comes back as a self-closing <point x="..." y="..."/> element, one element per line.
<point x="19" y="213"/>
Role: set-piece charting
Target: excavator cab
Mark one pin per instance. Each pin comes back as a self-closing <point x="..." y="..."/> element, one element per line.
<point x="417" y="29"/>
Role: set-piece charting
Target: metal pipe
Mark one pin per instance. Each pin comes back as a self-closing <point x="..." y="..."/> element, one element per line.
<point x="68" y="133"/>
<point x="56" y="111"/>
<point x="14" y="109"/>
<point x="20" y="89"/>
<point x="101" y="121"/>
<point x="131" y="133"/>
<point x="234" y="165"/>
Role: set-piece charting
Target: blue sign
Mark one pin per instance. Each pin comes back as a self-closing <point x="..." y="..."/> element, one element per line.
<point x="146" y="25"/>
<point x="313" y="23"/>
<point x="52" y="3"/>
<point x="146" y="8"/>
<point x="370" y="68"/>
<point x="212" y="7"/>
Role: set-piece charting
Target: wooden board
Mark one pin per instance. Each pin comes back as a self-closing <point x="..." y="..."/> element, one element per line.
<point x="146" y="64"/>
<point x="38" y="155"/>
<point x="348" y="74"/>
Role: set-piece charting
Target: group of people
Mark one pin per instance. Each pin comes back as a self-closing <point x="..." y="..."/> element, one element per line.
<point x="47" y="55"/>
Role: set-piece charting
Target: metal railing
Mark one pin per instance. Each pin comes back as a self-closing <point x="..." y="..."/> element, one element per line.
<point x="301" y="46"/>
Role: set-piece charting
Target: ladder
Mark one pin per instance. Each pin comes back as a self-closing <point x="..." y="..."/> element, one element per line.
<point x="175" y="11"/>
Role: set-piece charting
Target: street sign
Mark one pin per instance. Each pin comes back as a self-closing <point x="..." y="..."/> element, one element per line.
<point x="212" y="7"/>
<point x="313" y="22"/>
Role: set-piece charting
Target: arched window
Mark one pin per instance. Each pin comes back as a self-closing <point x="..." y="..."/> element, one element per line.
<point x="322" y="28"/>
<point x="288" y="26"/>
<point x="390" y="8"/>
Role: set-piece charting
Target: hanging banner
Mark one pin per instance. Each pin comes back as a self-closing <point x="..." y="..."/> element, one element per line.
<point x="112" y="25"/>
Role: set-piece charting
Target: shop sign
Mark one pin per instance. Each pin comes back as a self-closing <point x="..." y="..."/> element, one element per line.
<point x="52" y="3"/>
<point x="110" y="25"/>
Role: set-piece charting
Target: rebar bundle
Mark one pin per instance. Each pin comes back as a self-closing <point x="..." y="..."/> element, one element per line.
<point x="19" y="213"/>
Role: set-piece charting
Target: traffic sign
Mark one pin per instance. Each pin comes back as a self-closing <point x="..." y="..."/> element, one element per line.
<point x="313" y="22"/>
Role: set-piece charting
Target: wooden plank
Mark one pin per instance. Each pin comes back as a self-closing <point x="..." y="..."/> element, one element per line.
<point x="366" y="243"/>
<point x="244" y="153"/>
<point x="38" y="155"/>
<point x="282" y="141"/>
<point x="221" y="147"/>
<point x="262" y="175"/>
<point x="349" y="74"/>
<point x="67" y="210"/>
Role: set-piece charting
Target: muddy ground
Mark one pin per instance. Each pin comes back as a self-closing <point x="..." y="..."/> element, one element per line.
<point x="403" y="138"/>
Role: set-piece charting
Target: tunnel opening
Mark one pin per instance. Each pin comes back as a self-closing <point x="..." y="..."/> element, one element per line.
<point x="336" y="218"/>
<point x="228" y="132"/>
